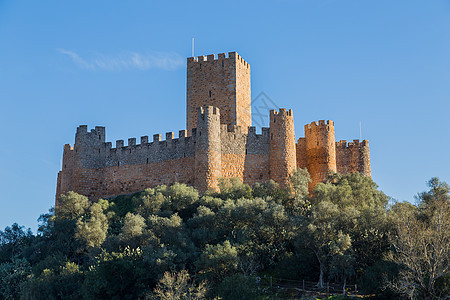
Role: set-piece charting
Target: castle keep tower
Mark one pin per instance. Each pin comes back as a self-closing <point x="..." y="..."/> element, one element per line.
<point x="282" y="146"/>
<point x="223" y="82"/>
<point x="219" y="143"/>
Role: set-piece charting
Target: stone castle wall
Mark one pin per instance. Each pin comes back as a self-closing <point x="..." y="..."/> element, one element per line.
<point x="219" y="143"/>
<point x="93" y="168"/>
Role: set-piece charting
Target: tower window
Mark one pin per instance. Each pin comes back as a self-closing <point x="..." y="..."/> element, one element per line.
<point x="209" y="94"/>
<point x="222" y="63"/>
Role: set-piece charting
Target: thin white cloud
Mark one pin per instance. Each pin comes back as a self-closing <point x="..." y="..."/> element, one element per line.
<point x="127" y="61"/>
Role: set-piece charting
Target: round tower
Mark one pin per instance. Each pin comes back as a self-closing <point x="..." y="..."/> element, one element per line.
<point x="320" y="151"/>
<point x="282" y="146"/>
<point x="208" y="156"/>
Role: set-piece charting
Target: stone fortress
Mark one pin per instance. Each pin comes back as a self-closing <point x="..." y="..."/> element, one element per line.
<point x="219" y="143"/>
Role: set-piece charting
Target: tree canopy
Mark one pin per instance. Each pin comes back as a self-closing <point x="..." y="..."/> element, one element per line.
<point x="171" y="242"/>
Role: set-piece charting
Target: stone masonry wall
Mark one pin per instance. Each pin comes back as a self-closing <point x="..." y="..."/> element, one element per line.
<point x="125" y="179"/>
<point x="320" y="150"/>
<point x="283" y="159"/>
<point x="223" y="82"/>
<point x="302" y="161"/>
<point x="96" y="170"/>
<point x="219" y="143"/>
<point x="353" y="157"/>
<point x="198" y="160"/>
<point x="208" y="147"/>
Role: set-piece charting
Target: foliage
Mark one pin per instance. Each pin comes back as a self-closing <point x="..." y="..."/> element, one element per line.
<point x="13" y="241"/>
<point x="12" y="275"/>
<point x="421" y="242"/>
<point x="175" y="286"/>
<point x="345" y="226"/>
<point x="238" y="287"/>
<point x="166" y="242"/>
<point x="219" y="260"/>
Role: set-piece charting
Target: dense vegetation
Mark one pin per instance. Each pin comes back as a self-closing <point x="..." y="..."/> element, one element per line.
<point x="172" y="243"/>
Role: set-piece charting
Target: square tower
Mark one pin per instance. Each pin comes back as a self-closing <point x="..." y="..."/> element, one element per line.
<point x="223" y="82"/>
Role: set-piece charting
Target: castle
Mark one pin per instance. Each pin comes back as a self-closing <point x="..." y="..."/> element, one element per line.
<point x="219" y="143"/>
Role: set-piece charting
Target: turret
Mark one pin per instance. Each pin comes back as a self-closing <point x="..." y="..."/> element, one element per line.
<point x="320" y="150"/>
<point x="282" y="146"/>
<point x="89" y="147"/>
<point x="207" y="148"/>
<point x="353" y="157"/>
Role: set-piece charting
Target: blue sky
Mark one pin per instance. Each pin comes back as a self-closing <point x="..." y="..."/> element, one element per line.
<point x="121" y="64"/>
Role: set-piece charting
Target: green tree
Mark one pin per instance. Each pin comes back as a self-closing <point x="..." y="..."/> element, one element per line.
<point x="71" y="206"/>
<point x="179" y="286"/>
<point x="299" y="181"/>
<point x="233" y="188"/>
<point x="92" y="227"/>
<point x="12" y="276"/>
<point x="421" y="242"/>
<point x="237" y="287"/>
<point x="13" y="242"/>
<point x="347" y="217"/>
<point x="62" y="282"/>
<point x="218" y="260"/>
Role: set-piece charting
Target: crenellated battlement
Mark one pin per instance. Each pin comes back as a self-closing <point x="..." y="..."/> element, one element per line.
<point x="353" y="157"/>
<point x="170" y="138"/>
<point x="321" y="123"/>
<point x="264" y="131"/>
<point x="219" y="142"/>
<point x="355" y="143"/>
<point x="208" y="110"/>
<point x="282" y="112"/>
<point x="232" y="129"/>
<point x="220" y="57"/>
